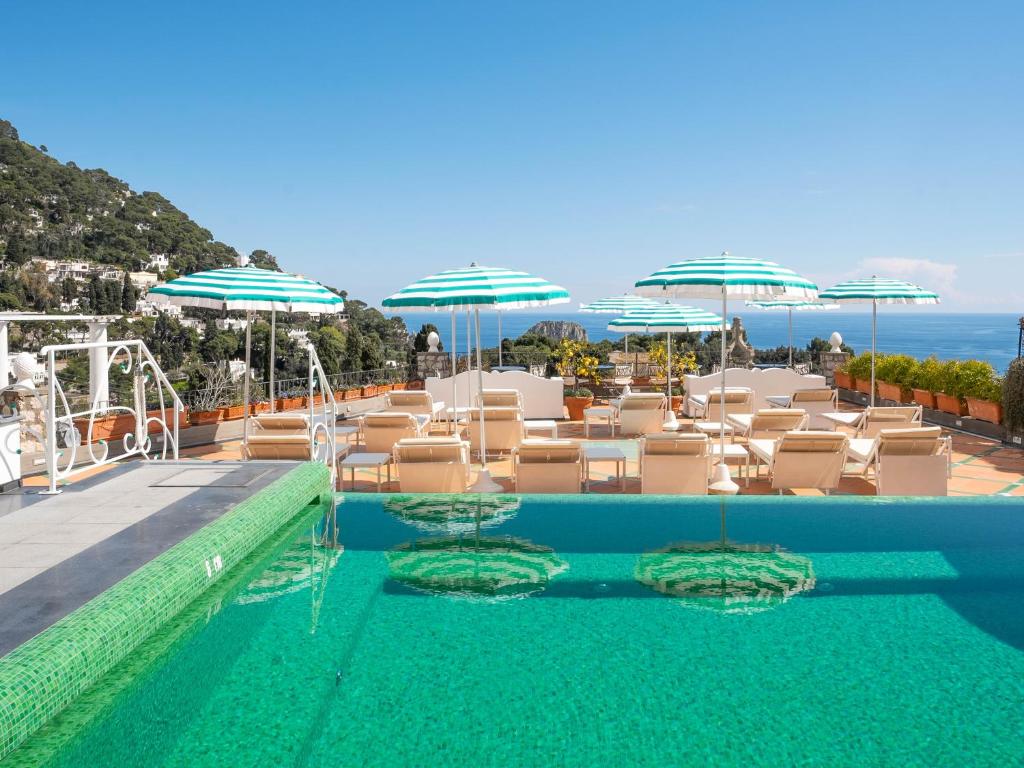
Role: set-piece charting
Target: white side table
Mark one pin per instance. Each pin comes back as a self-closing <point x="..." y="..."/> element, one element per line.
<point x="736" y="453"/>
<point x="542" y="425"/>
<point x="355" y="461"/>
<point x="712" y="427"/>
<point x="598" y="413"/>
<point x="595" y="453"/>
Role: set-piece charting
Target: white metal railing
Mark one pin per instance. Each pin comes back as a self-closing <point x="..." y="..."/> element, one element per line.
<point x="325" y="451"/>
<point x="64" y="438"/>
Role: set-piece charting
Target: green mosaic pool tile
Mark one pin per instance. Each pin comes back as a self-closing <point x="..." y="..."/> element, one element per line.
<point x="42" y="676"/>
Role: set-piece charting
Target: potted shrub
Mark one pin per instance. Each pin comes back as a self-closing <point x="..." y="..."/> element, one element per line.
<point x="400" y="386"/>
<point x="683" y="363"/>
<point x="842" y="376"/>
<point x="893" y="376"/>
<point x="368" y="390"/>
<point x="1013" y="398"/>
<point x="213" y="382"/>
<point x="201" y="417"/>
<point x="926" y="382"/>
<point x="860" y="369"/>
<point x="352" y="393"/>
<point x="576" y="400"/>
<point x="235" y="409"/>
<point x="983" y="391"/>
<point x="950" y="398"/>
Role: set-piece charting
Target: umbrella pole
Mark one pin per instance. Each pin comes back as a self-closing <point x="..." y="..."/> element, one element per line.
<point x="499" y="339"/>
<point x="668" y="366"/>
<point x="722" y="481"/>
<point x="790" y="337"/>
<point x="273" y="343"/>
<point x="455" y="387"/>
<point x="248" y="374"/>
<point x="625" y="343"/>
<point x="874" y="318"/>
<point x="484" y="483"/>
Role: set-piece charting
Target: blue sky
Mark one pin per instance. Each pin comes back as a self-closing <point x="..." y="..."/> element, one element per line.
<point x="368" y="144"/>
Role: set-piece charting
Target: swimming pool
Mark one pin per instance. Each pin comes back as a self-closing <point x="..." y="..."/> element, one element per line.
<point x="589" y="631"/>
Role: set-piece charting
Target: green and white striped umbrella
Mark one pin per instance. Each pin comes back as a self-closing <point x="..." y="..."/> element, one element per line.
<point x="734" y="276"/>
<point x="728" y="578"/>
<point x="879" y="290"/>
<point x="489" y="567"/>
<point x="248" y="288"/>
<point x="619" y="305"/>
<point x="719" y="277"/>
<point x="452" y="513"/>
<point x="475" y="287"/>
<point x="791" y="305"/>
<point x="874" y="291"/>
<point x="666" y="318"/>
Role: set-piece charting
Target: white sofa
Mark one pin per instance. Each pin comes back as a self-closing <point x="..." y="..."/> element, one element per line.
<point x="542" y="398"/>
<point x="764" y="383"/>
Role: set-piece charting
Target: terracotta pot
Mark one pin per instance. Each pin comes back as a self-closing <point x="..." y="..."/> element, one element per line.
<point x="260" y="408"/>
<point x="415" y="385"/>
<point x="575" y="406"/>
<point x="677" y="403"/>
<point x="318" y="400"/>
<point x="924" y="397"/>
<point x="232" y="412"/>
<point x="949" y="404"/>
<point x="863" y="386"/>
<point x="843" y="380"/>
<point x="400" y="386"/>
<point x="198" y="418"/>
<point x="352" y="394"/>
<point x="642" y="381"/>
<point x="154" y="428"/>
<point x="105" y="427"/>
<point x="369" y="390"/>
<point x="985" y="410"/>
<point x="888" y="391"/>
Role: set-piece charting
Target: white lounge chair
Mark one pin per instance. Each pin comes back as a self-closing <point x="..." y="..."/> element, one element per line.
<point x="709" y="407"/>
<point x="547" y="466"/>
<point x="811" y="459"/>
<point x="675" y="462"/>
<point x="414" y="401"/>
<point x="641" y="413"/>
<point x="814" y="401"/>
<point x="906" y="462"/>
<point x="767" y="423"/>
<point x="383" y="429"/>
<point x="280" y="436"/>
<point x="509" y="398"/>
<point x="432" y="465"/>
<point x="503" y="426"/>
<point x="879" y="417"/>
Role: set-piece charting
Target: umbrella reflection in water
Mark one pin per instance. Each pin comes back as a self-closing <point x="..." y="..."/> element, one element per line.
<point x="453" y="513"/>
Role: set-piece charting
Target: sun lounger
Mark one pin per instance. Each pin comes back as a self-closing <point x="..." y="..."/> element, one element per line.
<point x="709" y="407"/>
<point x="905" y="462"/>
<point x="383" y="429"/>
<point x="675" y="462"/>
<point x="432" y="465"/>
<point x="414" y="401"/>
<point x="808" y="459"/>
<point x="290" y="447"/>
<point x="814" y="401"/>
<point x="509" y="398"/>
<point x="641" y="413"/>
<point x="504" y="428"/>
<point x="768" y="423"/>
<point x="878" y="417"/>
<point x="548" y="466"/>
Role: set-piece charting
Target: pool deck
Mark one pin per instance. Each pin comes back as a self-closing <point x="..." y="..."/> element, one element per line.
<point x="58" y="552"/>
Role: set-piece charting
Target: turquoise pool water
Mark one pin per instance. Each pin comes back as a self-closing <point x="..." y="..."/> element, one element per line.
<point x="588" y="631"/>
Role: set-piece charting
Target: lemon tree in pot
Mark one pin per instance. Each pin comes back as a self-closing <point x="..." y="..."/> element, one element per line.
<point x="573" y="359"/>
<point x="983" y="390"/>
<point x="682" y="364"/>
<point x="894" y="375"/>
<point x="927" y="380"/>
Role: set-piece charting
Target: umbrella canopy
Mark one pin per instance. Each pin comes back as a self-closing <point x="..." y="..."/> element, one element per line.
<point x="454" y="513"/>
<point x="721" y="277"/>
<point x="472" y="288"/>
<point x="619" y="305"/>
<point x="791" y="305"/>
<point x="475" y="287"/>
<point x="248" y="288"/>
<point x="666" y="318"/>
<point x="874" y="291"/>
<point x="493" y="567"/>
<point x="725" y="577"/>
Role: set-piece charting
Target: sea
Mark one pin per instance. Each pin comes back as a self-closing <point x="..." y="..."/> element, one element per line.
<point x="990" y="337"/>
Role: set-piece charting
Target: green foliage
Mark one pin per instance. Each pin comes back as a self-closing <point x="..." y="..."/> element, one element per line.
<point x="1013" y="396"/>
<point x="929" y="375"/>
<point x="578" y="392"/>
<point x="329" y="343"/>
<point x="419" y="342"/>
<point x="951" y="378"/>
<point x="263" y="260"/>
<point x="977" y="379"/>
<point x="129" y="295"/>
<point x="896" y="369"/>
<point x="859" y="367"/>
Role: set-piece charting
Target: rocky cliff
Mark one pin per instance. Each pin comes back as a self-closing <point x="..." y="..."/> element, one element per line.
<point x="559" y="329"/>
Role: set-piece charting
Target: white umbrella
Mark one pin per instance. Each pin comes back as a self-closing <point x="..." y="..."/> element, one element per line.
<point x="721" y="277"/>
<point x="619" y="305"/>
<point x="789" y="305"/>
<point x="878" y="290"/>
<point x="472" y="288"/>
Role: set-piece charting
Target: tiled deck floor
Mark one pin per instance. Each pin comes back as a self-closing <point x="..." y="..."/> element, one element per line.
<point x="981" y="467"/>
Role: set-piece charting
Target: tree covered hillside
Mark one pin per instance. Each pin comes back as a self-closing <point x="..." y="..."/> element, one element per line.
<point x="59" y="211"/>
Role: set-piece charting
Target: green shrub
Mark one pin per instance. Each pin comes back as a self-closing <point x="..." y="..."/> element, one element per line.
<point x="976" y="378"/>
<point x="896" y="369"/>
<point x="928" y="375"/>
<point x="1013" y="396"/>
<point x="951" y="375"/>
<point x="578" y="392"/>
<point x="860" y="366"/>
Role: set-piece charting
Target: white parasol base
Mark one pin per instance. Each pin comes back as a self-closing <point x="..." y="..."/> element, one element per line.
<point x="485" y="484"/>
<point x="721" y="481"/>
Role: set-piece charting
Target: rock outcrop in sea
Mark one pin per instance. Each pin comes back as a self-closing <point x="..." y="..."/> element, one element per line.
<point x="558" y="329"/>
